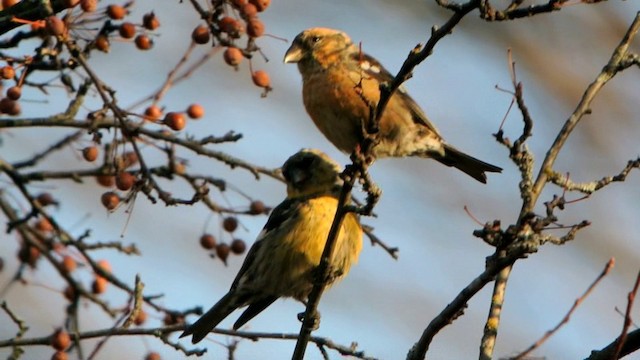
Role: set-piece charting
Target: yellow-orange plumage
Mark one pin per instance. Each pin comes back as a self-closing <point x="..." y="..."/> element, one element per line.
<point x="281" y="261"/>
<point x="340" y="86"/>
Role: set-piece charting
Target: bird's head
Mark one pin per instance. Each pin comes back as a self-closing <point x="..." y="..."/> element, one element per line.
<point x="318" y="46"/>
<point x="310" y="171"/>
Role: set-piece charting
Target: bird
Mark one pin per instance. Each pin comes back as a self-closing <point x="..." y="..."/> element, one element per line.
<point x="281" y="261"/>
<point x="340" y="86"/>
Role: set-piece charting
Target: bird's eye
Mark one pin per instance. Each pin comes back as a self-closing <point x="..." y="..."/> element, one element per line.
<point x="315" y="39"/>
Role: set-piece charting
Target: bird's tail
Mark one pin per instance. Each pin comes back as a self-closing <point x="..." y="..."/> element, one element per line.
<point x="218" y="312"/>
<point x="470" y="165"/>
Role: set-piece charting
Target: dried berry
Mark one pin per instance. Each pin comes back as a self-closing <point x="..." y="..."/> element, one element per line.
<point x="110" y="200"/>
<point x="231" y="26"/>
<point x="141" y="318"/>
<point x="230" y="224"/>
<point x="222" y="251"/>
<point x="60" y="355"/>
<point x="238" y="246"/>
<point x="150" y="21"/>
<point x="10" y="107"/>
<point x="104" y="265"/>
<point x="46" y="199"/>
<point x="152" y="356"/>
<point x="44" y="225"/>
<point x="249" y="11"/>
<point x="208" y="241"/>
<point x="14" y="92"/>
<point x="29" y="255"/>
<point x="116" y="12"/>
<point x="129" y="159"/>
<point x="255" y="28"/>
<point x="153" y="113"/>
<point x="257" y="207"/>
<point x="99" y="285"/>
<point x="68" y="263"/>
<point x="201" y="35"/>
<point x="55" y="26"/>
<point x="125" y="181"/>
<point x="195" y="111"/>
<point x="261" y="5"/>
<point x="90" y="153"/>
<point x="7" y="72"/>
<point x="143" y="42"/>
<point x="175" y="121"/>
<point x="89" y="5"/>
<point x="102" y="43"/>
<point x="60" y="340"/>
<point x="106" y="180"/>
<point x="233" y="56"/>
<point x="261" y="79"/>
<point x="127" y="30"/>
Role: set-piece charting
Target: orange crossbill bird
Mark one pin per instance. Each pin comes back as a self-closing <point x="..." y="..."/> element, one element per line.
<point x="282" y="260"/>
<point x="340" y="83"/>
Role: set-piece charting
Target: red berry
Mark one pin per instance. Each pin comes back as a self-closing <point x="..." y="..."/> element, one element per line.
<point x="233" y="56"/>
<point x="222" y="251"/>
<point x="152" y="356"/>
<point x="261" y="79"/>
<point x="55" y="26"/>
<point x="102" y="43"/>
<point x="195" y="111"/>
<point x="150" y="21"/>
<point x="238" y="246"/>
<point x="257" y="207"/>
<point x="255" y="28"/>
<point x="125" y="181"/>
<point x="153" y="112"/>
<point x="201" y="35"/>
<point x="127" y="30"/>
<point x="208" y="241"/>
<point x="99" y="285"/>
<point x="249" y="11"/>
<point x="90" y="153"/>
<point x="44" y="225"/>
<point x="261" y="5"/>
<point x="106" y="180"/>
<point x="7" y="72"/>
<point x="60" y="355"/>
<point x="230" y="224"/>
<point x="14" y="92"/>
<point x="175" y="121"/>
<point x="10" y="107"/>
<point x="110" y="200"/>
<point x="143" y="42"/>
<point x="46" y="199"/>
<point x="116" y="12"/>
<point x="89" y="5"/>
<point x="68" y="263"/>
<point x="141" y="318"/>
<point x="60" y="340"/>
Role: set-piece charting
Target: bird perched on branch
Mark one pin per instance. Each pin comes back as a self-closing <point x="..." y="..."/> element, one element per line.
<point x="282" y="260"/>
<point x="340" y="86"/>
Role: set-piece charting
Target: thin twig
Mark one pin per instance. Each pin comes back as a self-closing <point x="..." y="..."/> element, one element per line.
<point x="627" y="318"/>
<point x="610" y="264"/>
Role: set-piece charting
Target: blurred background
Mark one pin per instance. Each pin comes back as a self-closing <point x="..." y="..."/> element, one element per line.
<point x="384" y="304"/>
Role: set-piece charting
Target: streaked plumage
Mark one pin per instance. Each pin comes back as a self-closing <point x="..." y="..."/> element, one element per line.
<point x="341" y="84"/>
<point x="281" y="261"/>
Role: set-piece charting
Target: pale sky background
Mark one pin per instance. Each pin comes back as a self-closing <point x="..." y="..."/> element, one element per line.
<point x="383" y="304"/>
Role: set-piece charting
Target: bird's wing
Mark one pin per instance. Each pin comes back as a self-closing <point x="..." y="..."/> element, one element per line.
<point x="372" y="67"/>
<point x="279" y="215"/>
